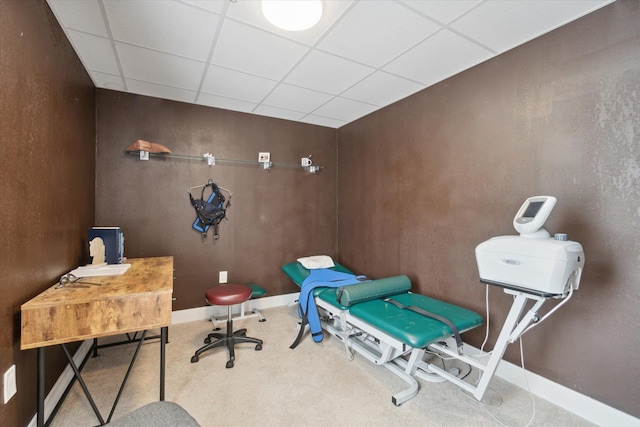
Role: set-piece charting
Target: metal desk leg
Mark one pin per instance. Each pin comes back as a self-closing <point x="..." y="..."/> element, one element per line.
<point x="40" y="387"/>
<point x="126" y="376"/>
<point x="76" y="372"/>
<point x="164" y="331"/>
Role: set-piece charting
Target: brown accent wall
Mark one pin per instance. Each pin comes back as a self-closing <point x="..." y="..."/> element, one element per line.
<point x="424" y="181"/>
<point x="275" y="216"/>
<point x="421" y="183"/>
<point x="47" y="168"/>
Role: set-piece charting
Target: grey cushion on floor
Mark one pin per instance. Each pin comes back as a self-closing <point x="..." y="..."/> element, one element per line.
<point x="157" y="414"/>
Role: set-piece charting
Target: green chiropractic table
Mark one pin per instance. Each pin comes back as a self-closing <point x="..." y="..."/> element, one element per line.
<point x="389" y="325"/>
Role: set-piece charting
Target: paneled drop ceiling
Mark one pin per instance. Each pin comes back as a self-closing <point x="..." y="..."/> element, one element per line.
<point x="362" y="56"/>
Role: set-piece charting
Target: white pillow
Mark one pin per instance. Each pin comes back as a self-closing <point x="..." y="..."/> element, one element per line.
<point x="317" y="261"/>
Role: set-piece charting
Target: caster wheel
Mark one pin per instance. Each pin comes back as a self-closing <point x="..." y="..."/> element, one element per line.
<point x="229" y="364"/>
<point x="194" y="359"/>
<point x="207" y="340"/>
<point x="258" y="347"/>
<point x="262" y="320"/>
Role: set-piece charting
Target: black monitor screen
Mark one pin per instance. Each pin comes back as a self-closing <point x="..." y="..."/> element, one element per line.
<point x="532" y="209"/>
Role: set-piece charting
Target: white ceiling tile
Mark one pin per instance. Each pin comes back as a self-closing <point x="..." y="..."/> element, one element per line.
<point x="505" y="24"/>
<point x="96" y="52"/>
<point x="163" y="25"/>
<point x="225" y="103"/>
<point x="440" y="56"/>
<point x="250" y="12"/>
<point x="327" y="73"/>
<point x="162" y="46"/>
<point x="107" y="81"/>
<point x="159" y="91"/>
<point x="323" y="121"/>
<point x="262" y="54"/>
<point x="80" y="15"/>
<point x="374" y="33"/>
<point x="443" y="11"/>
<point x="216" y="6"/>
<point x="344" y="109"/>
<point x="161" y="68"/>
<point x="265" y="110"/>
<point x="296" y="98"/>
<point x="382" y="89"/>
<point x="235" y="84"/>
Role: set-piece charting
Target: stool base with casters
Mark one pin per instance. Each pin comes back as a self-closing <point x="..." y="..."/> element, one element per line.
<point x="227" y="295"/>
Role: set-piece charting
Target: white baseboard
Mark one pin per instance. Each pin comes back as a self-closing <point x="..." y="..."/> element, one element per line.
<point x="205" y="313"/>
<point x="583" y="406"/>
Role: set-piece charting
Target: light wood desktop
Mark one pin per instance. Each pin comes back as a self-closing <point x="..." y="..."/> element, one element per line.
<point x="138" y="300"/>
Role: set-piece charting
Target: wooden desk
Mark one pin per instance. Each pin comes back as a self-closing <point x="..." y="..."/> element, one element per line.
<point x="140" y="299"/>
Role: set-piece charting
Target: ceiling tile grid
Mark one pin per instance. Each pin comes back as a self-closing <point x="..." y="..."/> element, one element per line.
<point x="383" y="29"/>
<point x="235" y="85"/>
<point x="241" y="47"/>
<point x="165" y="26"/>
<point x="362" y="56"/>
<point x="438" y="57"/>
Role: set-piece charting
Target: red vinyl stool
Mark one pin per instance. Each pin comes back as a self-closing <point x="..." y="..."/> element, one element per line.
<point x="227" y="295"/>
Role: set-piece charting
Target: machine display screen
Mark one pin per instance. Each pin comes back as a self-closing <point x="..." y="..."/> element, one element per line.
<point x="532" y="215"/>
<point x="532" y="209"/>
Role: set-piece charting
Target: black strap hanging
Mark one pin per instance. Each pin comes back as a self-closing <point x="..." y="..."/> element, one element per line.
<point x="435" y="316"/>
<point x="209" y="211"/>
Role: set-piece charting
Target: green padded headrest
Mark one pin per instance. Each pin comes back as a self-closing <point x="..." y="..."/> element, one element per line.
<point x="375" y="289"/>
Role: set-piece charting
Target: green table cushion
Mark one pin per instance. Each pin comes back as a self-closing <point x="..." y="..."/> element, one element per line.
<point x="374" y="289"/>
<point x="412" y="328"/>
<point x="349" y="295"/>
<point x="330" y="295"/>
<point x="257" y="291"/>
<point x="298" y="273"/>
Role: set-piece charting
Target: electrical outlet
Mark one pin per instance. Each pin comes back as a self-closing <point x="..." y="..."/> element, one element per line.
<point x="222" y="277"/>
<point x="10" y="383"/>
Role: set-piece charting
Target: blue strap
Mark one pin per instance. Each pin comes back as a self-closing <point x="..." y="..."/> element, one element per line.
<point x="307" y="310"/>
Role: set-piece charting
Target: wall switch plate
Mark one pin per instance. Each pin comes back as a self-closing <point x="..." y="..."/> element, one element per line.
<point x="222" y="277"/>
<point x="9" y="383"/>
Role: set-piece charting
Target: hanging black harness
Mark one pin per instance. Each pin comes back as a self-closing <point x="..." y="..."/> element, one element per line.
<point x="211" y="211"/>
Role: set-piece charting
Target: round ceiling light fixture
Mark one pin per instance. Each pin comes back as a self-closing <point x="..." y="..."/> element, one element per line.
<point x="292" y="15"/>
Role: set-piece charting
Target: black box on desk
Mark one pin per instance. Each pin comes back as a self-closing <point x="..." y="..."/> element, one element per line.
<point x="113" y="243"/>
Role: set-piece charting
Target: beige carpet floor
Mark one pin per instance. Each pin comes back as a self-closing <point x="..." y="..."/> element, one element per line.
<point x="315" y="384"/>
